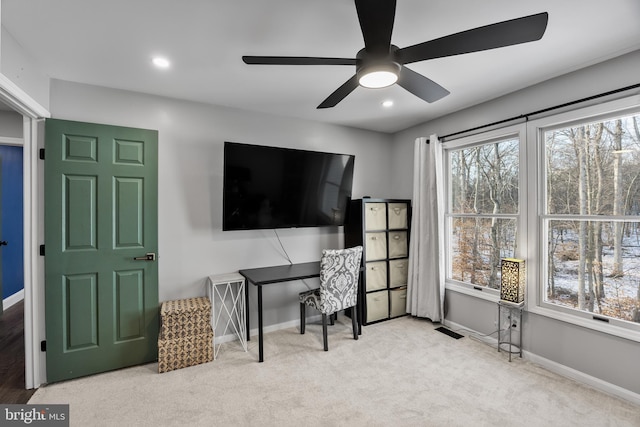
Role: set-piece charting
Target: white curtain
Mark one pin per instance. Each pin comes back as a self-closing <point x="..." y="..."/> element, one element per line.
<point x="425" y="287"/>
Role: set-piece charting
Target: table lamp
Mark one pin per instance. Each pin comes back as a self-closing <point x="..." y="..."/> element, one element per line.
<point x="512" y="281"/>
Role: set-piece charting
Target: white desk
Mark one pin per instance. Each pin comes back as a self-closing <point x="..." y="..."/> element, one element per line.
<point x="227" y="295"/>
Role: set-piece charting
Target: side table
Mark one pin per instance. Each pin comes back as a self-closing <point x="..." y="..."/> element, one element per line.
<point x="512" y="308"/>
<point x="227" y="295"/>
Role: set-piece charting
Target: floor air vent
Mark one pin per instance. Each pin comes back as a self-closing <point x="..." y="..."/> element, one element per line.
<point x="449" y="332"/>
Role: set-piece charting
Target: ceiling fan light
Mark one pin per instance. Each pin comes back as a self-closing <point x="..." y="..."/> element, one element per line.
<point x="377" y="72"/>
<point x="378" y="79"/>
<point x="161" y="62"/>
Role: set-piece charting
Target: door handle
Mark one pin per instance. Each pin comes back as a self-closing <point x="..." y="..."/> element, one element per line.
<point x="149" y="256"/>
<point x="4" y="243"/>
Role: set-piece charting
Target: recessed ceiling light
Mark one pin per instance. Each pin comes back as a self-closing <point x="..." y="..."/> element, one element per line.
<point x="161" y="62"/>
<point x="388" y="103"/>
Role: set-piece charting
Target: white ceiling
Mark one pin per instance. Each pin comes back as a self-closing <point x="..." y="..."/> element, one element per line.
<point x="111" y="43"/>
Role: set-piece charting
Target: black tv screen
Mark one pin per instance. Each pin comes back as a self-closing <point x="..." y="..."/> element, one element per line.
<point x="271" y="187"/>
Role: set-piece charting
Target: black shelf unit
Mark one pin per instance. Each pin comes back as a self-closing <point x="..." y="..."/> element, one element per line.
<point x="382" y="227"/>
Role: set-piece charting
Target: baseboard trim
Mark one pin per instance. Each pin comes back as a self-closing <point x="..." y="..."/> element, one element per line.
<point x="555" y="367"/>
<point x="13" y="299"/>
<point x="583" y="378"/>
<point x="267" y="329"/>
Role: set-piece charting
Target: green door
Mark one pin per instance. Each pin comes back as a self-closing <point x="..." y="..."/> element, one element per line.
<point x="101" y="197"/>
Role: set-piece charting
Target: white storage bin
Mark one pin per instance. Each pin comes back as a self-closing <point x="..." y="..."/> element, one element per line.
<point x="398" y="245"/>
<point x="375" y="216"/>
<point x="377" y="306"/>
<point x="375" y="246"/>
<point x="398" y="270"/>
<point x="398" y="302"/>
<point x="397" y="214"/>
<point x="376" y="275"/>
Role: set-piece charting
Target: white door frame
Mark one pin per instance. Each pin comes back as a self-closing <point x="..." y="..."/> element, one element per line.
<point x="34" y="328"/>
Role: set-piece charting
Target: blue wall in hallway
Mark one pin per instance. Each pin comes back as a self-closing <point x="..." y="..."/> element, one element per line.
<point x="12" y="220"/>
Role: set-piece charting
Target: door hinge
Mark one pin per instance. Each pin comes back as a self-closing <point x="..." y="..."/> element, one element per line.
<point x="43" y="345"/>
<point x="41" y="250"/>
<point x="42" y="154"/>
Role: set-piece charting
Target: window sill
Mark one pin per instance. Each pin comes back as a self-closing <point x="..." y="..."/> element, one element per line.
<point x="478" y="292"/>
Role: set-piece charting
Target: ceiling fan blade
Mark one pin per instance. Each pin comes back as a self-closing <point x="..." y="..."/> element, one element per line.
<point x="376" y="22"/>
<point x="421" y="86"/>
<point x="340" y="93"/>
<point x="501" y="34"/>
<point x="296" y="60"/>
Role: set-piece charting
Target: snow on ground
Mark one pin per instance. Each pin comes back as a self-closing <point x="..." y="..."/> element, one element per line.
<point x="620" y="292"/>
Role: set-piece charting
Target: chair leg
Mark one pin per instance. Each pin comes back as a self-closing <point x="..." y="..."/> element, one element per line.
<point x="354" y="322"/>
<point x="324" y="331"/>
<point x="302" y="317"/>
<point x="333" y="317"/>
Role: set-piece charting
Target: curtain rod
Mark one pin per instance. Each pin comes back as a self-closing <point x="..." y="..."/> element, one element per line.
<point x="555" y="107"/>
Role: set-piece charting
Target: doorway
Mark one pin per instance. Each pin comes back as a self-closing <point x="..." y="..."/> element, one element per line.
<point x="12" y="351"/>
<point x="14" y="99"/>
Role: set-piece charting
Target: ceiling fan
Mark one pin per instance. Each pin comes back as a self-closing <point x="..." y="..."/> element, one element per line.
<point x="381" y="64"/>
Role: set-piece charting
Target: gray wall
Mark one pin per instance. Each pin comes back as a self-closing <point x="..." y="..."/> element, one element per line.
<point x="22" y="70"/>
<point x="10" y="124"/>
<point x="192" y="244"/>
<point x="607" y="76"/>
<point x="605" y="357"/>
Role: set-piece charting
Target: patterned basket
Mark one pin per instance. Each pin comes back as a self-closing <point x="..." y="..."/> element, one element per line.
<point x="186" y="336"/>
<point x="180" y="318"/>
<point x="183" y="352"/>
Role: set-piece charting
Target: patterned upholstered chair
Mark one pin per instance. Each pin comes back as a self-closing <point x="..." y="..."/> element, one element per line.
<point x="339" y="274"/>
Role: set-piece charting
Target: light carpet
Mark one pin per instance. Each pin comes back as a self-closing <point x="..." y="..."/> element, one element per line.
<point x="399" y="373"/>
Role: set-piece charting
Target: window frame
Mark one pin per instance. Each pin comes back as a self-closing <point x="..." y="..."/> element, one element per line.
<point x="531" y="224"/>
<point x="517" y="131"/>
<point x="537" y="224"/>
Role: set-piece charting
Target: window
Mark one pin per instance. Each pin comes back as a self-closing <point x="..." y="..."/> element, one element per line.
<point x="562" y="194"/>
<point x="483" y="209"/>
<point x="590" y="218"/>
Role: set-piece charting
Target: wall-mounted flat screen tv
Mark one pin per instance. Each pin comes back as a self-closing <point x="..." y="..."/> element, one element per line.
<point x="271" y="187"/>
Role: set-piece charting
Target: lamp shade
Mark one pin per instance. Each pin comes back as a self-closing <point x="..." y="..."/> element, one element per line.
<point x="513" y="280"/>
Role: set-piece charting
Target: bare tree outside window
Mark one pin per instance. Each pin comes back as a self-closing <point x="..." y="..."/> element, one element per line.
<point x="593" y="217"/>
<point x="484" y="207"/>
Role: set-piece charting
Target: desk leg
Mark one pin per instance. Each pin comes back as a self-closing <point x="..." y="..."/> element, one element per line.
<point x="260" y="349"/>
<point x="246" y="307"/>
